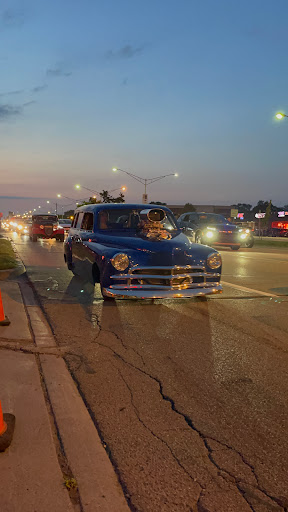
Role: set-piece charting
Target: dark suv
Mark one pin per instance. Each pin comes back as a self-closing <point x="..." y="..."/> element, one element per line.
<point x="214" y="229"/>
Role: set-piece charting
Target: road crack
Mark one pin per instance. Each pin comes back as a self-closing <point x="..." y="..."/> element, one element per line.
<point x="153" y="433"/>
<point x="241" y="485"/>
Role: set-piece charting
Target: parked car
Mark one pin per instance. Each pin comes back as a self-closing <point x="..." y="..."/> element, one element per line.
<point x="45" y="226"/>
<point x="138" y="251"/>
<point x="214" y="229"/>
<point x="66" y="224"/>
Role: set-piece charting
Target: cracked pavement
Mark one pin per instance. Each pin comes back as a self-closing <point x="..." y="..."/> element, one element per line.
<point x="189" y="397"/>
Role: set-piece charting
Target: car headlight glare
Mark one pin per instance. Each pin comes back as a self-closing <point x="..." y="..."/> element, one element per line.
<point x="243" y="235"/>
<point x="209" y="234"/>
<point x="214" y="260"/>
<point x="120" y="261"/>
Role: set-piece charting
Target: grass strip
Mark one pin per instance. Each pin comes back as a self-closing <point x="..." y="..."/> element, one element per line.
<point x="270" y="243"/>
<point x="7" y="255"/>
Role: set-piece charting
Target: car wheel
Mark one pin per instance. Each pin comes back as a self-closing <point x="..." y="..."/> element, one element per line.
<point x="235" y="247"/>
<point x="198" y="238"/>
<point x="61" y="238"/>
<point x="249" y="243"/>
<point x="34" y="238"/>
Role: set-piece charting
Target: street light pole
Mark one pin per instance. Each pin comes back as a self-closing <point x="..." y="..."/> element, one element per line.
<point x="145" y="181"/>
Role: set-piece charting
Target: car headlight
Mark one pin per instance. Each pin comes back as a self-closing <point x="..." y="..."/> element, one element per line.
<point x="214" y="260"/>
<point x="120" y="261"/>
<point x="209" y="234"/>
<point x="243" y="235"/>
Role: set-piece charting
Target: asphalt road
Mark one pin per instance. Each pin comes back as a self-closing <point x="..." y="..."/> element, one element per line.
<point x="190" y="397"/>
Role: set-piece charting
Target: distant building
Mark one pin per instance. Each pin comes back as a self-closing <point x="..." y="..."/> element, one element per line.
<point x="207" y="208"/>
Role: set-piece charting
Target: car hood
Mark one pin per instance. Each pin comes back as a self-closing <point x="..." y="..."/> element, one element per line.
<point x="176" y="251"/>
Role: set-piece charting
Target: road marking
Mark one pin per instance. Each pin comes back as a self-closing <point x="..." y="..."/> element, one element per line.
<point x="244" y="289"/>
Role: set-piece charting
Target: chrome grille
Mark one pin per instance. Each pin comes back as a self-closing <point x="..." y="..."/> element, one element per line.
<point x="174" y="278"/>
<point x="48" y="230"/>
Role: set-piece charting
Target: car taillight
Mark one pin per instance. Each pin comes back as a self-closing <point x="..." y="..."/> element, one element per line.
<point x="41" y="227"/>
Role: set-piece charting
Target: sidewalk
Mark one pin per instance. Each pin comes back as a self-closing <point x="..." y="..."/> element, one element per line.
<point x="37" y="388"/>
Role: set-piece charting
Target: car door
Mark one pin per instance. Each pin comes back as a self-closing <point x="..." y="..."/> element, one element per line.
<point x="84" y="252"/>
<point x="76" y="242"/>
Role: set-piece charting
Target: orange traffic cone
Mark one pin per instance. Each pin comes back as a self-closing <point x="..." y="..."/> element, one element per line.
<point x="7" y="424"/>
<point x="4" y="320"/>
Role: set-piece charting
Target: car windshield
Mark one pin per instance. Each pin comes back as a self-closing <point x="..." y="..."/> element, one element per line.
<point x="124" y="219"/>
<point x="65" y="221"/>
<point x="44" y="218"/>
<point x="210" y="218"/>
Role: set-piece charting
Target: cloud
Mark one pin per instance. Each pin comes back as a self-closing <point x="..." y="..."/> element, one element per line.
<point x="39" y="88"/>
<point x="7" y="111"/>
<point x="28" y="103"/>
<point x="126" y="52"/>
<point x="58" y="70"/>
<point x="12" y="18"/>
<point x="12" y="93"/>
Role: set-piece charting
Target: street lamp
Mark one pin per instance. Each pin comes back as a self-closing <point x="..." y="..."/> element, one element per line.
<point x="280" y="115"/>
<point x="145" y="181"/>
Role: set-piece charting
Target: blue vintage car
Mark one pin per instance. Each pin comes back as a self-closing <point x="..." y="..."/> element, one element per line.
<point x="139" y="251"/>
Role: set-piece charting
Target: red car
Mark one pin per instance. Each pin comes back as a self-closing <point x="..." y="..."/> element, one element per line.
<point x="45" y="226"/>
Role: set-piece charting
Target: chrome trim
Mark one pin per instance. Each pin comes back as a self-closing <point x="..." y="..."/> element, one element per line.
<point x="161" y="294"/>
<point x="162" y="282"/>
<point x="163" y="276"/>
<point x="161" y="287"/>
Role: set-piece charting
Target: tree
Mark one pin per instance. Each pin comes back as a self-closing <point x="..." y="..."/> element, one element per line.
<point x="242" y="207"/>
<point x="68" y="214"/>
<point x="188" y="207"/>
<point x="263" y="205"/>
<point x="268" y="214"/>
<point x="107" y="198"/>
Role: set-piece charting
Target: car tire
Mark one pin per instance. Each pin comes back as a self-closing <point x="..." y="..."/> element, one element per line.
<point x="249" y="243"/>
<point x="235" y="247"/>
<point x="198" y="238"/>
<point x="34" y="238"/>
<point x="60" y="238"/>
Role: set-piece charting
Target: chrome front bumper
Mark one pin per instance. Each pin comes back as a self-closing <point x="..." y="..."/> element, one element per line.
<point x="138" y="293"/>
<point x="164" y="282"/>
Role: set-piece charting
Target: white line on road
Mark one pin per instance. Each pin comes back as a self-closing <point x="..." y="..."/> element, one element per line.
<point x="244" y="289"/>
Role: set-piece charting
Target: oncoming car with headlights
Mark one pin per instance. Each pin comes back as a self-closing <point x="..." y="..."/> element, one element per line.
<point x="214" y="229"/>
<point x="139" y="251"/>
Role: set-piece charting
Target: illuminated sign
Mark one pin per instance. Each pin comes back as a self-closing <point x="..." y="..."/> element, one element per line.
<point x="240" y="216"/>
<point x="282" y="214"/>
<point x="260" y="215"/>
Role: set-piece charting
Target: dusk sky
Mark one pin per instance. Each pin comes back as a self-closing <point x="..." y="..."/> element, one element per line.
<point x="151" y="87"/>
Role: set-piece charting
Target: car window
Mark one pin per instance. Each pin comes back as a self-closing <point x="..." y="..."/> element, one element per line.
<point x="79" y="220"/>
<point x="186" y="218"/>
<point x="74" y="221"/>
<point x="127" y="218"/>
<point x="193" y="218"/>
<point x="88" y="221"/>
<point x="65" y="221"/>
<point x="210" y="218"/>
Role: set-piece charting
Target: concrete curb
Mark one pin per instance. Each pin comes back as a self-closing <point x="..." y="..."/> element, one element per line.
<point x="98" y="485"/>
